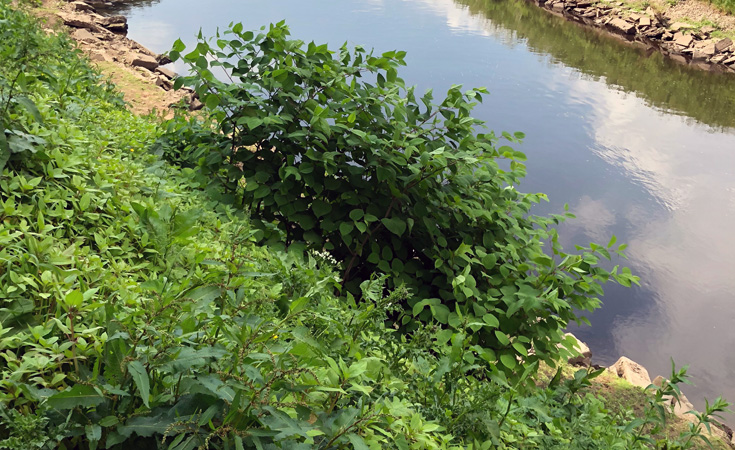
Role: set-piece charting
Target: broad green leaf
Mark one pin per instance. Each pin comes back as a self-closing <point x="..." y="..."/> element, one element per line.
<point x="491" y="320"/>
<point x="321" y="208"/>
<point x="394" y="225"/>
<point x="140" y="377"/>
<point x="79" y="395"/>
<point x="357" y="442"/>
<point x="74" y="299"/>
<point x="508" y="360"/>
<point x="502" y="337"/>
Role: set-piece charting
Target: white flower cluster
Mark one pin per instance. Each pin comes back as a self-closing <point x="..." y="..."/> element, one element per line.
<point x="324" y="256"/>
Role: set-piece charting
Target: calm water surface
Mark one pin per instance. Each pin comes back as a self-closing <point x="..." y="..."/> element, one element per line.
<point x="637" y="146"/>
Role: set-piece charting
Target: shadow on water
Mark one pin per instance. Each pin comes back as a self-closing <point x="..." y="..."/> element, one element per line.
<point x="704" y="96"/>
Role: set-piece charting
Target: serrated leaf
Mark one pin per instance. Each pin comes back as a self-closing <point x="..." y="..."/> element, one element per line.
<point x="140" y="378"/>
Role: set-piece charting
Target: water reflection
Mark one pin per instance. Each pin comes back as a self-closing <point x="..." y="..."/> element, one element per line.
<point x="680" y="233"/>
<point x="704" y="96"/>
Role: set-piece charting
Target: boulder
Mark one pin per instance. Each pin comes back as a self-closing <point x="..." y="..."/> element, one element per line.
<point x="644" y="21"/>
<point x="631" y="371"/>
<point x="622" y="25"/>
<point x="683" y="40"/>
<point x="722" y="45"/>
<point x="145" y="61"/>
<point x="584" y="358"/>
<point x="729" y="61"/>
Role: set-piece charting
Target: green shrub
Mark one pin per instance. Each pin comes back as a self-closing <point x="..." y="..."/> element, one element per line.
<point x="336" y="154"/>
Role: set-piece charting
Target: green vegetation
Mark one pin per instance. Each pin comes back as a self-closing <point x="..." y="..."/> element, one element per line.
<point x="727" y="6"/>
<point x="139" y="310"/>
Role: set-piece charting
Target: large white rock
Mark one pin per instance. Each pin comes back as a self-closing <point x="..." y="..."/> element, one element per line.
<point x="631" y="371"/>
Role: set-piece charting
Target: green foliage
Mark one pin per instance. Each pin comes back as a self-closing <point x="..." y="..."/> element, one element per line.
<point x="334" y="153"/>
<point x="138" y="311"/>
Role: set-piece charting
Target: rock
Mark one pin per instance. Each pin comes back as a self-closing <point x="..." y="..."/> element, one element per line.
<point x="707" y="48"/>
<point x="145" y="61"/>
<point x="170" y="74"/>
<point x="163" y="59"/>
<point x="723" y="45"/>
<point x="729" y="61"/>
<point x="707" y="29"/>
<point x="676" y="26"/>
<point x="699" y="56"/>
<point x="584" y="358"/>
<point x="120" y="27"/>
<point x="658" y="381"/>
<point x="559" y="6"/>
<point x="644" y="21"/>
<point x="105" y="21"/>
<point x="632" y="372"/>
<point x="164" y="82"/>
<point x="622" y="25"/>
<point x="81" y="6"/>
<point x="78" y="21"/>
<point x="718" y="58"/>
<point x="655" y="32"/>
<point x="195" y="105"/>
<point x="682" y="40"/>
<point x="667" y="36"/>
<point x="82" y="34"/>
<point x="99" y="56"/>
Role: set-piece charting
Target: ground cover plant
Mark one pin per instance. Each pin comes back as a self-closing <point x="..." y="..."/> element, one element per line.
<point x="139" y="310"/>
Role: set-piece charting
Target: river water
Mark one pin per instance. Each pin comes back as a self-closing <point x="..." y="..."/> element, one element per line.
<point x="638" y="146"/>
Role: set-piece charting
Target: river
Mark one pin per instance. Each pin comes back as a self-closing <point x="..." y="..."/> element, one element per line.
<point x="637" y="145"/>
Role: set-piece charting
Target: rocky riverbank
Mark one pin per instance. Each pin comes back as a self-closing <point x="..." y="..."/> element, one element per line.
<point x="139" y="73"/>
<point x="637" y="375"/>
<point x="704" y="47"/>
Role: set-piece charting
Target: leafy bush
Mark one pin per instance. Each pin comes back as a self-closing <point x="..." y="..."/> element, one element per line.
<point x="336" y="154"/>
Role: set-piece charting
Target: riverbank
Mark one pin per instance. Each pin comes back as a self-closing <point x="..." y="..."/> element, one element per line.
<point x="149" y="301"/>
<point x="690" y="32"/>
<point x="139" y="73"/>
